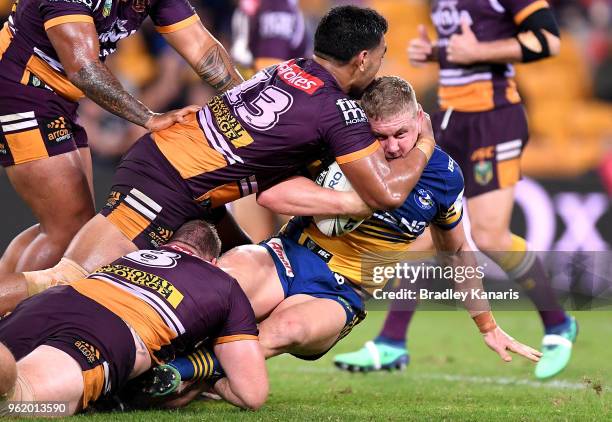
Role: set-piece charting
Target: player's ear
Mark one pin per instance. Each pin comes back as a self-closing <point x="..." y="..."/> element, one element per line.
<point x="420" y="115"/>
<point x="361" y="60"/>
<point x="214" y="261"/>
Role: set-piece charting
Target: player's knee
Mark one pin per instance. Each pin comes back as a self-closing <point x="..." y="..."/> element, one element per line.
<point x="8" y="371"/>
<point x="255" y="397"/>
<point x="286" y="331"/>
<point x="487" y="239"/>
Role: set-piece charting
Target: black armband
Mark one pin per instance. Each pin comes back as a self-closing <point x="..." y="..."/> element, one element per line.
<point x="533" y="42"/>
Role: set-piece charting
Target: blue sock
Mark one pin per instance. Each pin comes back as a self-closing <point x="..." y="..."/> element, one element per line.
<point x="390" y="342"/>
<point x="184" y="366"/>
<point x="559" y="328"/>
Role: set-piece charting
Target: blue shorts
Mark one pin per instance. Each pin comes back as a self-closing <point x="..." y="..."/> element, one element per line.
<point x="303" y="272"/>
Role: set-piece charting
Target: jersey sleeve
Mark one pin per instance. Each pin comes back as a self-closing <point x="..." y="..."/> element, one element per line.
<point x="521" y="9"/>
<point x="450" y="209"/>
<point x="240" y="323"/>
<point x="57" y="12"/>
<point x="172" y="15"/>
<point x="346" y="130"/>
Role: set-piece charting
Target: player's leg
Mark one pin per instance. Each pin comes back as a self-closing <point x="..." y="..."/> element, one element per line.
<point x="8" y="373"/>
<point x="302" y="325"/>
<point x="490" y="220"/>
<point x="389" y="349"/>
<point x="48" y="374"/>
<point x="57" y="191"/>
<point x="10" y="259"/>
<point x="257" y="221"/>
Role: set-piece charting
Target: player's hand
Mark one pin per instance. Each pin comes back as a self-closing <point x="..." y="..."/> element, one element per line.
<point x="501" y="343"/>
<point x="355" y="206"/>
<point x="421" y="49"/>
<point x="463" y="48"/>
<point x="160" y="121"/>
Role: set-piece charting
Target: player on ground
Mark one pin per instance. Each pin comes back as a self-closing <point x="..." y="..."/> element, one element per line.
<point x="245" y="141"/>
<point x="307" y="289"/>
<point x="482" y="125"/>
<point x="265" y="32"/>
<point x="52" y="54"/>
<point x="79" y="342"/>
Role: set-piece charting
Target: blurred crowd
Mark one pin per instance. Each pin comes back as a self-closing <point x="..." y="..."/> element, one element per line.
<point x="569" y="98"/>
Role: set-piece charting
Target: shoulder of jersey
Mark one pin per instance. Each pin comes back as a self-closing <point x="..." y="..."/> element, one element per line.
<point x="442" y="167"/>
<point x="307" y="79"/>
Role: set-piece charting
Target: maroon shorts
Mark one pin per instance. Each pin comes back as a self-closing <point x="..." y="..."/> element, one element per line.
<point x="487" y="145"/>
<point x="63" y="318"/>
<point x="149" y="200"/>
<point x="36" y="123"/>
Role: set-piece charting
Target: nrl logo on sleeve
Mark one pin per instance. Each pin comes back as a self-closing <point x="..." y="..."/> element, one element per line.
<point x="351" y="111"/>
<point x="293" y="75"/>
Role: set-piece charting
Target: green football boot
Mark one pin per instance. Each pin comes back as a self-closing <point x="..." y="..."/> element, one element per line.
<point x="557" y="351"/>
<point x="373" y="357"/>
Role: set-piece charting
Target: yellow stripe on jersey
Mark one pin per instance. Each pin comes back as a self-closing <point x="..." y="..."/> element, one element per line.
<point x="186" y="148"/>
<point x="138" y="314"/>
<point x="60" y="83"/>
<point x="5" y="38"/>
<point x="68" y="19"/>
<point x="235" y="337"/>
<point x="357" y="155"/>
<point x="528" y="10"/>
<point x="221" y="194"/>
<point x="26" y="146"/>
<point x="178" y="26"/>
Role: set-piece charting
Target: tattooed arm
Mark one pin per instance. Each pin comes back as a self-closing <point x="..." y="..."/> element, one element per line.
<point x="206" y="56"/>
<point x="77" y="46"/>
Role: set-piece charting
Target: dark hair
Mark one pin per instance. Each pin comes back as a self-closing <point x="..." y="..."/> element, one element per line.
<point x="346" y="30"/>
<point x="201" y="236"/>
<point x="387" y="96"/>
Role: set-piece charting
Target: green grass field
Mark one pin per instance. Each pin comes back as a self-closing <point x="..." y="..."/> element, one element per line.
<point x="452" y="376"/>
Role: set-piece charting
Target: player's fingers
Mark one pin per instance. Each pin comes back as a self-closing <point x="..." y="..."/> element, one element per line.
<point x="423" y="33"/>
<point x="523" y="350"/>
<point x="501" y="351"/>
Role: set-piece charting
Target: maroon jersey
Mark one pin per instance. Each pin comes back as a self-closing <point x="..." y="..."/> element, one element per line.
<point x="265" y="130"/>
<point x="269" y="29"/>
<point x="172" y="299"/>
<point x="26" y="52"/>
<point x="480" y="86"/>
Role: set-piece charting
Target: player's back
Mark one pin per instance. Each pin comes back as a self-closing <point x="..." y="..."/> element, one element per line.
<point x="172" y="299"/>
<point x="264" y="131"/>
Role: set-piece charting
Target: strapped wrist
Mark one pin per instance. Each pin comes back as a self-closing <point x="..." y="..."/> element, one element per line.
<point x="485" y="322"/>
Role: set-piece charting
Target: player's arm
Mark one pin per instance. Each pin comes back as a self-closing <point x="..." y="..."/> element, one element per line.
<point x="77" y="47"/>
<point x="537" y="38"/>
<point x="456" y="251"/>
<point x="246" y="382"/>
<point x="386" y="184"/>
<point x="205" y="55"/>
<point x="301" y="196"/>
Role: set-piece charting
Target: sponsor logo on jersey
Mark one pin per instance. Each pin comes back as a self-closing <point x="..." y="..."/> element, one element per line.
<point x="321" y="253"/>
<point x="277" y="246"/>
<point x="57" y="130"/>
<point x="483" y="153"/>
<point x="108" y="40"/>
<point x="87" y="3"/>
<point x="3" y="149"/>
<point x="447" y="18"/>
<point x="483" y="172"/>
<point x="228" y="124"/>
<point x="145" y="279"/>
<point x="277" y="25"/>
<point x="424" y="199"/>
<point x="295" y="76"/>
<point x="106" y="9"/>
<point x="91" y="353"/>
<point x="351" y="112"/>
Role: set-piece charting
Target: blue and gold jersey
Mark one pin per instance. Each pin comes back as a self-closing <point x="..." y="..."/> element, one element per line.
<point x="386" y="235"/>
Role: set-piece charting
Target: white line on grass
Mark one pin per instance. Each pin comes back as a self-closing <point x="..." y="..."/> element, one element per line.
<point x="554" y="384"/>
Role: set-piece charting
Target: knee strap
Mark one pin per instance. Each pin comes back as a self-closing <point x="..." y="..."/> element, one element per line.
<point x="64" y="272"/>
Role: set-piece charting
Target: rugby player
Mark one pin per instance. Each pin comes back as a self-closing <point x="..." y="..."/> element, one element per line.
<point x="265" y="32"/>
<point x="482" y="125"/>
<point x="52" y="54"/>
<point x="245" y="141"/>
<point x="307" y="289"/>
<point x="79" y="342"/>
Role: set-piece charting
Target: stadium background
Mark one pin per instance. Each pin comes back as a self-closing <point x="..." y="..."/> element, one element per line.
<point x="564" y="204"/>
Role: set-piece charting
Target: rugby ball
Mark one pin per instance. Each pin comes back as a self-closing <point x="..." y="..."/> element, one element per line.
<point x="333" y="178"/>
